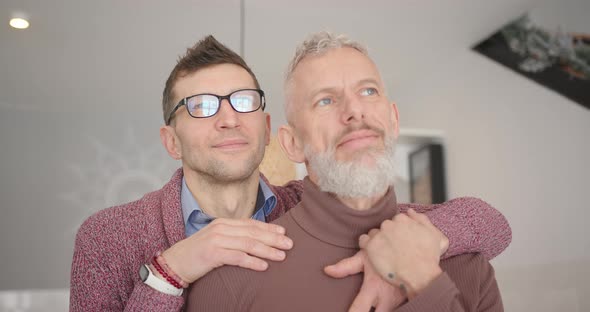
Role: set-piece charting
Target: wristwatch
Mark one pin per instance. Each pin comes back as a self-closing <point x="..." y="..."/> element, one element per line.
<point x="146" y="276"/>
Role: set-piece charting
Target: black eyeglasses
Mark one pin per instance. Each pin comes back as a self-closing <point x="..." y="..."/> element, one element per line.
<point x="206" y="105"/>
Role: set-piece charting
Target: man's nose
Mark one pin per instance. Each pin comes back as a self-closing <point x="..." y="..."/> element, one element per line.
<point x="353" y="109"/>
<point x="227" y="117"/>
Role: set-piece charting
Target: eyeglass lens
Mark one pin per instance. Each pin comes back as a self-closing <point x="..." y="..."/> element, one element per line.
<point x="206" y="105"/>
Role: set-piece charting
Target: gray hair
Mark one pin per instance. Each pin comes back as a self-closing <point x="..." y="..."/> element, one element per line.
<point x="315" y="44"/>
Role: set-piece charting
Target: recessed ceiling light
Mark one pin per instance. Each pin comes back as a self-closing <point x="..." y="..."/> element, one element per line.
<point x="19" y="23"/>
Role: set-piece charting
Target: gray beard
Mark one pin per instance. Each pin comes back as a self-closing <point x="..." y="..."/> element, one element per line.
<point x="352" y="179"/>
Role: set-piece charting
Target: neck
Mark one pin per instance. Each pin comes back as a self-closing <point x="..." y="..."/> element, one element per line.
<point x="362" y="203"/>
<point x="224" y="199"/>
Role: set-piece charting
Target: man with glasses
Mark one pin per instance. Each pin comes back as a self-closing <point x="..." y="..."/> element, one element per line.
<point x="141" y="255"/>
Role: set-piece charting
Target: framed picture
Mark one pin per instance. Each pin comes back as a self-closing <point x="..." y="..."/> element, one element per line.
<point x="427" y="175"/>
<point x="547" y="48"/>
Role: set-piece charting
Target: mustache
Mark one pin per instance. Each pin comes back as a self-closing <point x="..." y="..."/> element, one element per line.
<point x="363" y="126"/>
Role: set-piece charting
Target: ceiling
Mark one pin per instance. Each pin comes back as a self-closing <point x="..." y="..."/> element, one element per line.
<point x="115" y="55"/>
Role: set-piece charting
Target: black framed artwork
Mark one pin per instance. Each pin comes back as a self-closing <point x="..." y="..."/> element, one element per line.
<point x="554" y="58"/>
<point x="427" y="175"/>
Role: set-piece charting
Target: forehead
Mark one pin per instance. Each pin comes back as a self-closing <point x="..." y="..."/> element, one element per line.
<point x="218" y="79"/>
<point x="337" y="68"/>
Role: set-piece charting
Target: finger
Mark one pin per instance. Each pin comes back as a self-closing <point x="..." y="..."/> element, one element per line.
<point x="419" y="217"/>
<point x="364" y="300"/>
<point x="382" y="307"/>
<point x="373" y="232"/>
<point x="346" y="267"/>
<point x="248" y="245"/>
<point x="268" y="238"/>
<point x="389" y="300"/>
<point x="400" y="218"/>
<point x="247" y="222"/>
<point x="237" y="258"/>
<point x="364" y="240"/>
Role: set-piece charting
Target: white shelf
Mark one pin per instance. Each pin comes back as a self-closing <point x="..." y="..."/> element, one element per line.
<point x="420" y="136"/>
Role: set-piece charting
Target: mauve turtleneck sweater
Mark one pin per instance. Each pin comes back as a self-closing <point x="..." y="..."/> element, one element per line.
<point x="324" y="231"/>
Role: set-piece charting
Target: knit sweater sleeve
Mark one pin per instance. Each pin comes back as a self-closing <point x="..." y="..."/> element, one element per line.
<point x="471" y="224"/>
<point x="101" y="280"/>
<point x="470" y="285"/>
<point x="287" y="196"/>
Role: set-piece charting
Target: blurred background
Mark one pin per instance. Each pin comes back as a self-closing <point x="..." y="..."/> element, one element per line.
<point x="80" y="111"/>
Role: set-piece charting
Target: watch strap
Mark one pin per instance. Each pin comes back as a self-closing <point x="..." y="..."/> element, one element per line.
<point x="160" y="285"/>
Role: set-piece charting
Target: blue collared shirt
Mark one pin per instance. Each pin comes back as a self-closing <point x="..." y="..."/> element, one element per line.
<point x="195" y="219"/>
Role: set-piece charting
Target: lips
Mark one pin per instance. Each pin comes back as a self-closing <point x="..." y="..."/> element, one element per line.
<point x="230" y="144"/>
<point x="358" y="137"/>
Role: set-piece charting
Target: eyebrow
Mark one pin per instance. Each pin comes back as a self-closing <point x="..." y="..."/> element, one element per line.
<point x="368" y="81"/>
<point x="317" y="91"/>
<point x="361" y="82"/>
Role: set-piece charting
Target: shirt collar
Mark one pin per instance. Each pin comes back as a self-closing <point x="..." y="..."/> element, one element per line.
<point x="270" y="200"/>
<point x="261" y="211"/>
<point x="188" y="202"/>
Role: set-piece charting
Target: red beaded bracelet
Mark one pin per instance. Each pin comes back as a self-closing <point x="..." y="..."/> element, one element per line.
<point x="160" y="264"/>
<point x="164" y="274"/>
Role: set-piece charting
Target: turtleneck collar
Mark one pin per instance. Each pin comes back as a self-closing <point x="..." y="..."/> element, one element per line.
<point x="326" y="218"/>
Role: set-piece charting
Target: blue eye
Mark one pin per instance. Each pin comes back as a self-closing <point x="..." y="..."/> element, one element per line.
<point x="369" y="91"/>
<point x="324" y="102"/>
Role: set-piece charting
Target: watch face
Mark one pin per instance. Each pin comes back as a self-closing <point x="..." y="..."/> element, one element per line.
<point x="143" y="273"/>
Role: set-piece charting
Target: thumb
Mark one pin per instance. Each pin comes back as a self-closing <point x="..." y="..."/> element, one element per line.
<point x="346" y="267"/>
<point x="364" y="300"/>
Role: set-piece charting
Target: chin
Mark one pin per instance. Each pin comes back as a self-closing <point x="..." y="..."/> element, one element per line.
<point x="229" y="176"/>
<point x="242" y="170"/>
<point x="363" y="159"/>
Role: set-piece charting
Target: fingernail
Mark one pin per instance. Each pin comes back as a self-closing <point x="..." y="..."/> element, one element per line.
<point x="280" y="254"/>
<point x="287" y="243"/>
<point x="280" y="229"/>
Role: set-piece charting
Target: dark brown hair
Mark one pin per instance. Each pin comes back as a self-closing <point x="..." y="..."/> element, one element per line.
<point x="204" y="53"/>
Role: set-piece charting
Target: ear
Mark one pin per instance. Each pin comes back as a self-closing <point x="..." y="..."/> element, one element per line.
<point x="170" y="142"/>
<point x="267" y="137"/>
<point x="395" y="116"/>
<point x="290" y="144"/>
